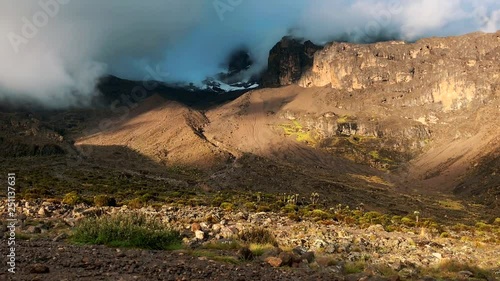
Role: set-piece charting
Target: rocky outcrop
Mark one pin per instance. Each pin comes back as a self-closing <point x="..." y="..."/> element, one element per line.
<point x="288" y="60"/>
<point x="445" y="71"/>
<point x="21" y="134"/>
<point x="404" y="253"/>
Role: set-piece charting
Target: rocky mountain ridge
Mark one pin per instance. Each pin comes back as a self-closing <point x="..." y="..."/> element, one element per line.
<point x="419" y="118"/>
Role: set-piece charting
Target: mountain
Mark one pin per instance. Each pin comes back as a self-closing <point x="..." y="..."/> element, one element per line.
<point x="393" y="126"/>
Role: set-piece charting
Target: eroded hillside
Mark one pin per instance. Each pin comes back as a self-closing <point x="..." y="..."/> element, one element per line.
<point x="392" y="126"/>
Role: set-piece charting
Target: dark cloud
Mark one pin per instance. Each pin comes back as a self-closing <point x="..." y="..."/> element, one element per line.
<point x="54" y="51"/>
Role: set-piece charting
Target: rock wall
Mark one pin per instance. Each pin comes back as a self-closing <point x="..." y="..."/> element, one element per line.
<point x="451" y="72"/>
<point x="288" y="60"/>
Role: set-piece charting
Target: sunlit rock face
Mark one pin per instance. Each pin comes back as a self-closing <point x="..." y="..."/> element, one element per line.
<point x="451" y="72"/>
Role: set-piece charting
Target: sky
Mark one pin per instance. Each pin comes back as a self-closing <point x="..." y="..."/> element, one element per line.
<point x="53" y="52"/>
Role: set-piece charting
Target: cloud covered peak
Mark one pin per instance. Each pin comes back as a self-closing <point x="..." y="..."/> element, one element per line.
<point x="54" y="51"/>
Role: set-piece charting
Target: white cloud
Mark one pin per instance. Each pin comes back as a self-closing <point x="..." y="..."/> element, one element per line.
<point x="423" y="16"/>
<point x="84" y="39"/>
<point x="54" y="53"/>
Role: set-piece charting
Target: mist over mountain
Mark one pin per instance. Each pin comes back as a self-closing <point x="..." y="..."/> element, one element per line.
<point x="54" y="51"/>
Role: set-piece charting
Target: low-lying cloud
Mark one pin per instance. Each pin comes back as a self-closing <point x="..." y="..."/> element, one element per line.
<point x="52" y="52"/>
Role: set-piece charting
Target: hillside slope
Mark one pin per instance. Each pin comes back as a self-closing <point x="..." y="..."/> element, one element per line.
<point x="401" y="118"/>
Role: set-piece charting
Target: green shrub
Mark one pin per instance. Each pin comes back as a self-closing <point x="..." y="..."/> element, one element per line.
<point x="447" y="269"/>
<point x="72" y="198"/>
<point x="227" y="206"/>
<point x="104" y="200"/>
<point x="127" y="230"/>
<point x="396" y="219"/>
<point x="354" y="267"/>
<point x="407" y="221"/>
<point x="258" y="236"/>
<point x="250" y="206"/>
<point x="260" y="249"/>
<point x="264" y="208"/>
<point x="217" y="201"/>
<point x="148" y="197"/>
<point x="290" y="208"/>
<point x="320" y="214"/>
<point x="460" y="227"/>
<point x="483" y="226"/>
<point x="136" y="203"/>
<point x="294" y="217"/>
<point x="444" y="235"/>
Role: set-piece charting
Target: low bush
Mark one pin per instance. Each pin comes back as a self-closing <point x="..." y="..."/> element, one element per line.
<point x="127" y="230"/>
<point x="72" y="198"/>
<point x="260" y="249"/>
<point x="104" y="200"/>
<point x="136" y="203"/>
<point x="258" y="236"/>
<point x="226" y="206"/>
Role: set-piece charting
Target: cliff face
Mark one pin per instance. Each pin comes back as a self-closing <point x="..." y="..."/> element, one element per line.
<point x="451" y="72"/>
<point x="288" y="60"/>
<point x="427" y="110"/>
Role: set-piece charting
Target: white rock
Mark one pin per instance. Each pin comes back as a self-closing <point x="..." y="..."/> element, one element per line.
<point x="200" y="235"/>
<point x="437" y="255"/>
<point x="42" y="212"/>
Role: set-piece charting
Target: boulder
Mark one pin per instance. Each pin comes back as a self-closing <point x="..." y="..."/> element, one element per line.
<point x="274" y="261"/>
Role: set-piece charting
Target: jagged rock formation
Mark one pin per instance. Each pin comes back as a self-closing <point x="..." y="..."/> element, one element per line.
<point x="448" y="71"/>
<point x="359" y="124"/>
<point x="288" y="59"/>
<point x="432" y="104"/>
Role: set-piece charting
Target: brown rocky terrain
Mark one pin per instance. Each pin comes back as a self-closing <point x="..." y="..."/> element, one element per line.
<point x="393" y="127"/>
<point x="422" y="116"/>
<point x="313" y="248"/>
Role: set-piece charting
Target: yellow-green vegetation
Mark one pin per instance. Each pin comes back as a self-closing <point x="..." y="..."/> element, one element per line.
<point x="371" y="218"/>
<point x="264" y="208"/>
<point x="258" y="235"/>
<point x="72" y="198"/>
<point x="344" y="119"/>
<point x="301" y="135"/>
<point x="134" y="230"/>
<point x="104" y="180"/>
<point x="449" y="269"/>
<point x="376" y="156"/>
<point x="354" y="267"/>
<point x="290" y="208"/>
<point x="136" y="203"/>
<point x="357" y="139"/>
<point x="408" y="221"/>
<point x="304" y="207"/>
<point x="319" y="214"/>
<point x="260" y="249"/>
<point x="444" y="235"/>
<point x="250" y="206"/>
<point x="104" y="200"/>
<point x="451" y="204"/>
<point x="373" y="179"/>
<point x="461" y="227"/>
<point x="226" y="206"/>
<point x="484" y="226"/>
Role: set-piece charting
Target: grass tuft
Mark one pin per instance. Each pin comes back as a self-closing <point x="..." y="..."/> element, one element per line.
<point x="260" y="249"/>
<point x="128" y="231"/>
<point x="258" y="236"/>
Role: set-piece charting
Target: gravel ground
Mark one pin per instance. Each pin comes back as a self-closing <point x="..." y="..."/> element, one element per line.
<point x="74" y="262"/>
